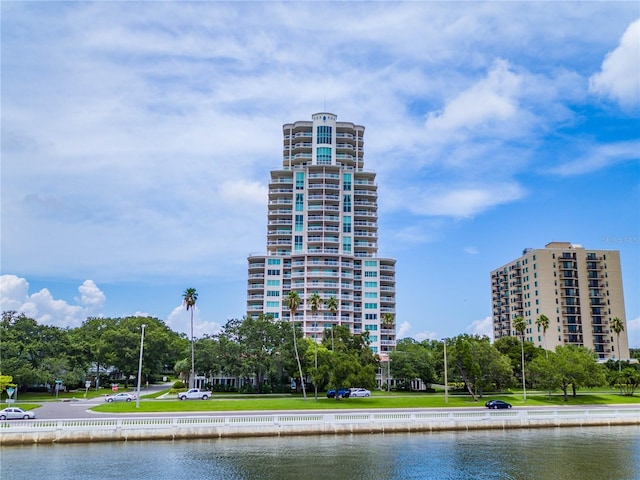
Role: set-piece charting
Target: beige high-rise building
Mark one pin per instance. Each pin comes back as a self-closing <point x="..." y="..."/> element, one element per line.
<point x="322" y="236"/>
<point x="578" y="289"/>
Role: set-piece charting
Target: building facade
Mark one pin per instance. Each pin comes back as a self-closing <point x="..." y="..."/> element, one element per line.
<point x="577" y="289"/>
<point x="322" y="236"/>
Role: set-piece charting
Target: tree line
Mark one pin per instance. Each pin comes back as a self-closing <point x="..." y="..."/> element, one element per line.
<point x="267" y="354"/>
<point x="476" y="366"/>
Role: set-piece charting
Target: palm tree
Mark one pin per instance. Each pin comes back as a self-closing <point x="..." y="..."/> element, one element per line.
<point x="332" y="305"/>
<point x="314" y="302"/>
<point x="387" y="320"/>
<point x="543" y="321"/>
<point x="189" y="298"/>
<point x="520" y="326"/>
<point x="617" y="326"/>
<point x="293" y="303"/>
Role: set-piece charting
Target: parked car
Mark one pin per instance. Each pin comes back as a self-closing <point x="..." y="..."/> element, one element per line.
<point x="497" y="404"/>
<point x="14" y="413"/>
<point x="360" y="392"/>
<point x="342" y="393"/>
<point x="194" y="393"/>
<point x="120" y="397"/>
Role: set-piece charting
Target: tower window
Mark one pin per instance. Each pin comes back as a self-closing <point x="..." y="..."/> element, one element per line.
<point x="323" y="156"/>
<point x="324" y="135"/>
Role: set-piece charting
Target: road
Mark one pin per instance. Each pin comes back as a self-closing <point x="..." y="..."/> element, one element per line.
<point x="80" y="409"/>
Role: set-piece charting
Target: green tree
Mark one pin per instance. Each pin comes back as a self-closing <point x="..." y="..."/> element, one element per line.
<point x="569" y="366"/>
<point x="413" y="360"/>
<point x="293" y="303"/>
<point x="512" y="348"/>
<point x="35" y="354"/>
<point x="189" y="299"/>
<point x="617" y="326"/>
<point x="543" y="322"/>
<point x="519" y="325"/>
<point x="627" y="380"/>
<point x="477" y="363"/>
<point x="259" y="343"/>
<point x="352" y="363"/>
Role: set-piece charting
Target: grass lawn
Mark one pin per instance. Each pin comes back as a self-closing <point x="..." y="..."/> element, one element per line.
<point x="226" y="402"/>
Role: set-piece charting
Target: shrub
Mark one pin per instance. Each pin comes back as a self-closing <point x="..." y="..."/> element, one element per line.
<point x="179" y="385"/>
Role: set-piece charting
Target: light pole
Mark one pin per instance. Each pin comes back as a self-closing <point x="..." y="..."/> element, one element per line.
<point x="388" y="372"/>
<point x="446" y="380"/>
<point x="140" y="365"/>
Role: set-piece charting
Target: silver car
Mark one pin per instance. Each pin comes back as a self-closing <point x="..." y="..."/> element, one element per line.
<point x="360" y="392"/>
<point x="14" y="413"/>
<point x="120" y="397"/>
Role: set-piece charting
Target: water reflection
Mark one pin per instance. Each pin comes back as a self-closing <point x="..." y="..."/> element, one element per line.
<point x="564" y="453"/>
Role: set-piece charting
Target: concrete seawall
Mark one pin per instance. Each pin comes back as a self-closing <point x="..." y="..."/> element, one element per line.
<point x="24" y="432"/>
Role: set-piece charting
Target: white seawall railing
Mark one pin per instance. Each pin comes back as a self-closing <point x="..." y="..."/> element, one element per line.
<point x="280" y="424"/>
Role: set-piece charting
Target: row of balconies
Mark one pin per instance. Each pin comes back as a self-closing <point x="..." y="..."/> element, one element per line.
<point x="280" y="191"/>
<point x="366" y="193"/>
<point x="279" y="211"/>
<point x="323" y="174"/>
<point x="365" y="213"/>
<point x="325" y="198"/>
<point x="323" y="228"/>
<point x="321" y="186"/>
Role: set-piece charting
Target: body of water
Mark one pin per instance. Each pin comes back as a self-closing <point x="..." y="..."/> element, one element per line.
<point x="595" y="453"/>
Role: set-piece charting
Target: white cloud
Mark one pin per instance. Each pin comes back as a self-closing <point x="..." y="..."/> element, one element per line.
<point x="91" y="296"/>
<point x="481" y="327"/>
<point x="42" y="307"/>
<point x="458" y="201"/>
<point x="403" y="330"/>
<point x="633" y="332"/>
<point x="471" y="250"/>
<point x="595" y="158"/>
<point x="420" y="336"/>
<point x="619" y="75"/>
<point x="492" y="100"/>
<point x="179" y="320"/>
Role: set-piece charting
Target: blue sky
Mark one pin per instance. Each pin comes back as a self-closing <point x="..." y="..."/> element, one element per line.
<point x="137" y="140"/>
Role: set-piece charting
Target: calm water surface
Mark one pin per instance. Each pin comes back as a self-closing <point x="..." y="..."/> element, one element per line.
<point x="600" y="453"/>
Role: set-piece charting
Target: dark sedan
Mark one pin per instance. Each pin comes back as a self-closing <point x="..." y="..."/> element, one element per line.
<point x="495" y="404"/>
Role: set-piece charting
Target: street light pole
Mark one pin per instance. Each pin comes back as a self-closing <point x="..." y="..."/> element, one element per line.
<point x="388" y="372"/>
<point x="446" y="380"/>
<point x="140" y="365"/>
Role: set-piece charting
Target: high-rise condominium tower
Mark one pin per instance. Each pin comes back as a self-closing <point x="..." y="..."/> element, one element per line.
<point x="322" y="236"/>
<point x="578" y="290"/>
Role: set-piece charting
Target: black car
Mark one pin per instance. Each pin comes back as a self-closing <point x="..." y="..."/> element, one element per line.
<point x="497" y="404"/>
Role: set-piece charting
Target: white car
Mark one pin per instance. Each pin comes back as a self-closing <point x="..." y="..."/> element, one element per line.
<point x="120" y="397"/>
<point x="14" y="413"/>
<point x="194" y="393"/>
<point x="359" y="392"/>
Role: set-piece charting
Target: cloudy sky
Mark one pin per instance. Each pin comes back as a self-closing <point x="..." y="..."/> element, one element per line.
<point x="137" y="140"/>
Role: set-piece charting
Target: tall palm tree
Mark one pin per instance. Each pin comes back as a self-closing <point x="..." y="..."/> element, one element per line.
<point x="332" y="305"/>
<point x="293" y="303"/>
<point x="520" y="326"/>
<point x="314" y="302"/>
<point x="618" y="327"/>
<point x="543" y="321"/>
<point x="189" y="298"/>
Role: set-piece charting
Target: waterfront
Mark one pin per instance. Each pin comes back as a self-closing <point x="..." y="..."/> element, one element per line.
<point x="592" y="453"/>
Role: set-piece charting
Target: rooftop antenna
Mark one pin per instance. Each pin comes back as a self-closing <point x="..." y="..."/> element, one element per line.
<point x="325" y="103"/>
